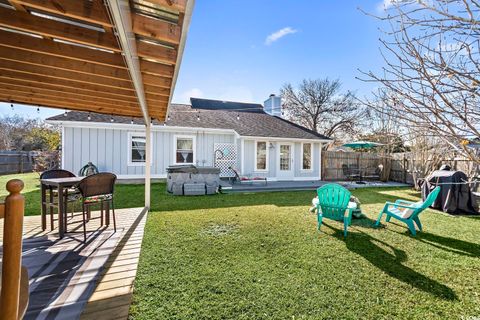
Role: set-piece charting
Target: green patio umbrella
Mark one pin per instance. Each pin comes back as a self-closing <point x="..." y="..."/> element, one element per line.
<point x="362" y="145"/>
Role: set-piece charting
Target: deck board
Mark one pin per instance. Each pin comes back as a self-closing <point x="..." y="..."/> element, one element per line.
<point x="112" y="295"/>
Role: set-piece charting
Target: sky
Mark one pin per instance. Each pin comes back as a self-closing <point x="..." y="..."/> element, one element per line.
<point x="244" y="50"/>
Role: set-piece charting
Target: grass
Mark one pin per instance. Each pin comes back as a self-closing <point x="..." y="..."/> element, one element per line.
<point x="259" y="256"/>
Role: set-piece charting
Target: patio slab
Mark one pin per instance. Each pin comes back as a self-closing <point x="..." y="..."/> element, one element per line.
<point x="70" y="279"/>
<point x="300" y="185"/>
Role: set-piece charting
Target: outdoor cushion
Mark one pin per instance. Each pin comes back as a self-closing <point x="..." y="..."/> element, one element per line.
<point x="101" y="197"/>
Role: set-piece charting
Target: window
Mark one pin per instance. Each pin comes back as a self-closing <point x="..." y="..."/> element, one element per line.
<point x="184" y="150"/>
<point x="307" y="156"/>
<point x="136" y="149"/>
<point x="261" y="156"/>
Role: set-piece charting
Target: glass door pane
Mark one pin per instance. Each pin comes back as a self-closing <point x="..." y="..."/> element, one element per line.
<point x="285" y="157"/>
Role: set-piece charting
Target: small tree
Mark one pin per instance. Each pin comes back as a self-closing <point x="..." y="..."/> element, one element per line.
<point x="432" y="70"/>
<point x="319" y="105"/>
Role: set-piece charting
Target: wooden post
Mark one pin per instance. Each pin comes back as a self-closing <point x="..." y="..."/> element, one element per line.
<point x="12" y="251"/>
<point x="148" y="162"/>
<point x="405" y="168"/>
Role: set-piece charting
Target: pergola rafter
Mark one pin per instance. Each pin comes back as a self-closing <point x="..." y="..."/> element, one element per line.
<point x="67" y="54"/>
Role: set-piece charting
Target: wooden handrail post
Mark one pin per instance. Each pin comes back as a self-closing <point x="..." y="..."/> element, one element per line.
<point x="12" y="251"/>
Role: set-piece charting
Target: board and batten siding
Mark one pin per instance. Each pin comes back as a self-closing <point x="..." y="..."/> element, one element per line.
<point x="107" y="148"/>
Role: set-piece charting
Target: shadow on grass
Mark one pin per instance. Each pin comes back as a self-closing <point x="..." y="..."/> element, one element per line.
<point x="389" y="259"/>
<point x="450" y="244"/>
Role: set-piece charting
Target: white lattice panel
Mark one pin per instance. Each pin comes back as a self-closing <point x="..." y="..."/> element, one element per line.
<point x="225" y="158"/>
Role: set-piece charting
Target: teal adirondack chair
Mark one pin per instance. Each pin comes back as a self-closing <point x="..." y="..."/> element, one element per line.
<point x="332" y="203"/>
<point x="407" y="211"/>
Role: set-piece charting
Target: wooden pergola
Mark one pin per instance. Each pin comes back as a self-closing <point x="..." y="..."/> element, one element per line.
<point x="116" y="57"/>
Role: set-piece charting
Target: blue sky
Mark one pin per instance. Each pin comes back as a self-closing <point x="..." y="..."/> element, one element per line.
<point x="228" y="56"/>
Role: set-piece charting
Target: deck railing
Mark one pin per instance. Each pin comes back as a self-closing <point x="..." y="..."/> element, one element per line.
<point x="12" y="304"/>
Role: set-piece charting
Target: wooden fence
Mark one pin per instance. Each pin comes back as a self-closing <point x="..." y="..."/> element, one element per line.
<point x="16" y="162"/>
<point x="332" y="162"/>
<point x="398" y="167"/>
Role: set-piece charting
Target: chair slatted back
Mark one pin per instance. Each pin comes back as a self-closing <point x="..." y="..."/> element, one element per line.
<point x="428" y="201"/>
<point x="97" y="184"/>
<point x="333" y="200"/>
<point x="56" y="173"/>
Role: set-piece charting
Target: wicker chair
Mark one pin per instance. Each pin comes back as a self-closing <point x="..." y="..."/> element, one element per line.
<point x="97" y="189"/>
<point x="70" y="196"/>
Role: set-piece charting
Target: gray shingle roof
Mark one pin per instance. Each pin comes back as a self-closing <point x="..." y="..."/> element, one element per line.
<point x="251" y="122"/>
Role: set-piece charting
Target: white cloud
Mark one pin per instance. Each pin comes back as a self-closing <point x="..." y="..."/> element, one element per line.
<point x="387" y="4"/>
<point x="192" y="93"/>
<point x="279" y="34"/>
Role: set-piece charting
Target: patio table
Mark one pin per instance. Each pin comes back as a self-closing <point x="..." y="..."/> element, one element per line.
<point x="61" y="184"/>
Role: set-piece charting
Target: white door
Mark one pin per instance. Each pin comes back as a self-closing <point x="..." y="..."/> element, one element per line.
<point x="285" y="161"/>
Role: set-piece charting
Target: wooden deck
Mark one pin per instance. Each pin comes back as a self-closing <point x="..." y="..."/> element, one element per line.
<point x="104" y="269"/>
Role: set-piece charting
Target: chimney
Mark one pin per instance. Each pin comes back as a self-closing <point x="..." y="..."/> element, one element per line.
<point x="273" y="105"/>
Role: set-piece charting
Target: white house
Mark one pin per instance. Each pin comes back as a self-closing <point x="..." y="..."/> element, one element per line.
<point x="249" y="137"/>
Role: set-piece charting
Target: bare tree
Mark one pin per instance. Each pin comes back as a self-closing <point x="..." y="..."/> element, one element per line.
<point x="432" y="69"/>
<point x="320" y="106"/>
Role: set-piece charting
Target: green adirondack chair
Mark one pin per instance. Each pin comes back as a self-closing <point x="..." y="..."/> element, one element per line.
<point x="407" y="211"/>
<point x="332" y="203"/>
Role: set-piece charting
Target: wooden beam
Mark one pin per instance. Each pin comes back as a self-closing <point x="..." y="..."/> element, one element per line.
<point x="50" y="72"/>
<point x="176" y="5"/>
<point x="46" y="27"/>
<point x="157" y="69"/>
<point x="17" y="6"/>
<point x="60" y="63"/>
<point x="70" y="91"/>
<point x="59" y="95"/>
<point x="58" y="98"/>
<point x="8" y="74"/>
<point x="68" y="105"/>
<point x="157" y="81"/>
<point x="91" y="11"/>
<point x="156" y="52"/>
<point x="156" y="29"/>
<point x="155" y="92"/>
<point x="70" y="51"/>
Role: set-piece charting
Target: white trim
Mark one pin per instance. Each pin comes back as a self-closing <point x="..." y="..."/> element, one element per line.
<point x="129" y="148"/>
<point x="320" y="161"/>
<point x="311" y="157"/>
<point x="285" y="139"/>
<point x="266" y="156"/>
<point x="167" y="128"/>
<point x="292" y="161"/>
<point x="194" y="147"/>
<point x="62" y="165"/>
<point x="242" y="156"/>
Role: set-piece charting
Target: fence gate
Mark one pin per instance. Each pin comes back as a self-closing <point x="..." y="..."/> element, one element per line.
<point x="225" y="158"/>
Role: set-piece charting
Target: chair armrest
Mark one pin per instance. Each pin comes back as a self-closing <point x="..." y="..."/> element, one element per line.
<point x="397" y="205"/>
<point x="403" y="201"/>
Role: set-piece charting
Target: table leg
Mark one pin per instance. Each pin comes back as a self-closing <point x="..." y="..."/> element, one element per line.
<point x="61" y="212"/>
<point x="44" y="207"/>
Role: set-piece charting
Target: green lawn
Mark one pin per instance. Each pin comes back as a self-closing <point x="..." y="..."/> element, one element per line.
<point x="259" y="256"/>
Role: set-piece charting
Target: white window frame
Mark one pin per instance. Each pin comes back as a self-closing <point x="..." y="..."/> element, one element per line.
<point x="130" y="163"/>
<point x="311" y="156"/>
<point x="266" y="154"/>
<point x="194" y="147"/>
